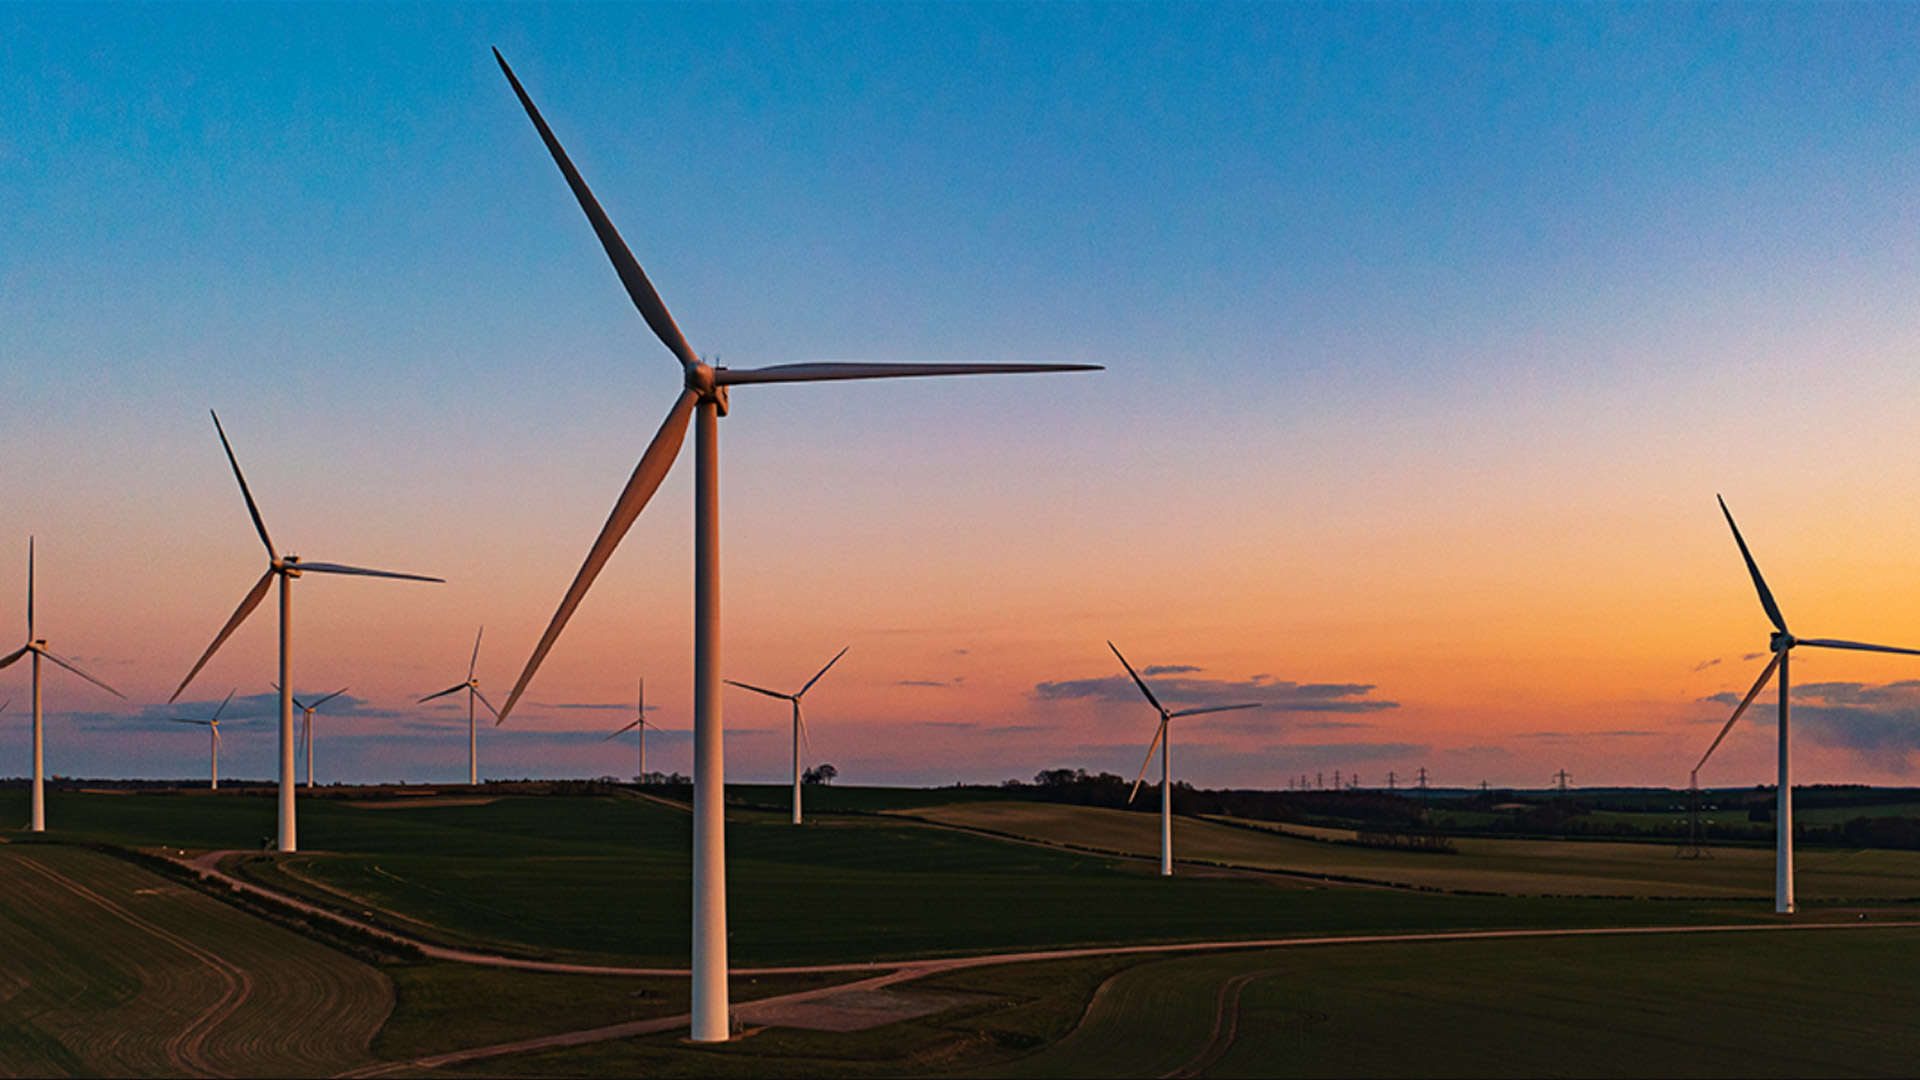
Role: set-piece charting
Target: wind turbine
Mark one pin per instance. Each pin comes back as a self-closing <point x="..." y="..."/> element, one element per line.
<point x="472" y="687"/>
<point x="705" y="396"/>
<point x="286" y="568"/>
<point x="213" y="726"/>
<point x="1781" y="643"/>
<point x="799" y="723"/>
<point x="1161" y="742"/>
<point x="38" y="647"/>
<point x="640" y="724"/>
<point x="306" y="728"/>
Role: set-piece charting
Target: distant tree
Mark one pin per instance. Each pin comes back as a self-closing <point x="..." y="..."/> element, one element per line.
<point x="824" y="774"/>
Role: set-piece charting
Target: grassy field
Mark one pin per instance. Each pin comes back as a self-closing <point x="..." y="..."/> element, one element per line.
<point x="110" y="970"/>
<point x="1516" y="867"/>
<point x="1826" y="1004"/>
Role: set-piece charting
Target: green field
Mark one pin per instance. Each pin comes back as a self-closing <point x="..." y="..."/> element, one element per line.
<point x="1515" y="867"/>
<point x="110" y="970"/>
<point x="1825" y="1004"/>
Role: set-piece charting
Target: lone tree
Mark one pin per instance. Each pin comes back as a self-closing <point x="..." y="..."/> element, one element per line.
<point x="823" y="774"/>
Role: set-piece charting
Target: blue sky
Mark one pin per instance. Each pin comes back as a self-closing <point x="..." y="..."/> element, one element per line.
<point x="1430" y="332"/>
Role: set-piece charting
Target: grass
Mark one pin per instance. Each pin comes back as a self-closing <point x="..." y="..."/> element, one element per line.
<point x="107" y="967"/>
<point x="1836" y="1003"/>
<point x="1514" y="867"/>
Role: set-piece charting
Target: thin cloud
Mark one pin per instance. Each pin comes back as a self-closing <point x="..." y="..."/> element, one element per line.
<point x="1176" y="693"/>
<point x="1352" y="751"/>
<point x="1705" y="664"/>
<point x="1168" y="669"/>
<point x="927" y="682"/>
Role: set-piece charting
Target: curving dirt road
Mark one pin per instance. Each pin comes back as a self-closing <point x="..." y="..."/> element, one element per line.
<point x="186" y="1049"/>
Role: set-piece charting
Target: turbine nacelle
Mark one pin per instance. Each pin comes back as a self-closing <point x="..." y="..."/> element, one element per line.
<point x="703" y="380"/>
<point x="1781" y="642"/>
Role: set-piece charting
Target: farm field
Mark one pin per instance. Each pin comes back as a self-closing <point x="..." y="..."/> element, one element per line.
<point x="1834" y="1003"/>
<point x="110" y="970"/>
<point x="1516" y="867"/>
<point x="606" y="879"/>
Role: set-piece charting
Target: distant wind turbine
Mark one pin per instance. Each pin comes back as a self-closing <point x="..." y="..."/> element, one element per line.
<point x="1780" y="643"/>
<point x="799" y="723"/>
<point x="286" y="568"/>
<point x="472" y="687"/>
<point x="704" y="395"/>
<point x="1161" y="741"/>
<point x="212" y="725"/>
<point x="38" y="647"/>
<point x="306" y="728"/>
<point x="640" y="725"/>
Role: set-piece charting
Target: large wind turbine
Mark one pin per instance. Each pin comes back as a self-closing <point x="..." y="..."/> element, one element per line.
<point x="306" y="728"/>
<point x="1780" y="643"/>
<point x="213" y="726"/>
<point x="38" y="647"/>
<point x="1162" y="742"/>
<point x="472" y="687"/>
<point x="799" y="722"/>
<point x="704" y="395"/>
<point x="640" y="725"/>
<point x="286" y="568"/>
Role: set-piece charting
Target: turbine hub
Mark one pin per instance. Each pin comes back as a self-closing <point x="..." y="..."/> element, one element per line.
<point x="703" y="379"/>
<point x="1781" y="642"/>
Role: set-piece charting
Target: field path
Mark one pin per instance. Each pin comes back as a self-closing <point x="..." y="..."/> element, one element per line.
<point x="1226" y="1024"/>
<point x="185" y="1050"/>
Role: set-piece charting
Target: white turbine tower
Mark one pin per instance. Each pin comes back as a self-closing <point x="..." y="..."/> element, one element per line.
<point x="639" y="725"/>
<point x="38" y="647"/>
<point x="306" y="728"/>
<point x="213" y="727"/>
<point x="472" y="687"/>
<point x="1162" y="742"/>
<point x="799" y="723"/>
<point x="1780" y="643"/>
<point x="705" y="394"/>
<point x="286" y="568"/>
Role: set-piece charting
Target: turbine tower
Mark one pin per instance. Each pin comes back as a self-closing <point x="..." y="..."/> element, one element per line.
<point x="285" y="568"/>
<point x="1781" y="644"/>
<point x="1161" y="741"/>
<point x="472" y="687"/>
<point x="306" y="728"/>
<point x="799" y="723"/>
<point x="213" y="727"/>
<point x="640" y="725"/>
<point x="38" y="647"/>
<point x="704" y="395"/>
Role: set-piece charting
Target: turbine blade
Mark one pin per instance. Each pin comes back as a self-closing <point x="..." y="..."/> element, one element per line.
<point x="621" y="732"/>
<point x="836" y="372"/>
<point x="4" y="704"/>
<point x="82" y="674"/>
<point x="1759" y="583"/>
<point x="29" y="589"/>
<point x="223" y="705"/>
<point x="640" y="487"/>
<point x="760" y="690"/>
<point x="443" y="693"/>
<point x="806" y="740"/>
<point x="823" y="671"/>
<point x="484" y="701"/>
<point x="240" y="614"/>
<point x="360" y="571"/>
<point x="1834" y="643"/>
<point x="1158" y="734"/>
<point x="15" y="655"/>
<point x="1137" y="680"/>
<point x="326" y="699"/>
<point x="641" y="290"/>
<point x="1217" y="708"/>
<point x="254" y="511"/>
<point x="1744" y="702"/>
<point x="184" y="720"/>
<point x="471" y="664"/>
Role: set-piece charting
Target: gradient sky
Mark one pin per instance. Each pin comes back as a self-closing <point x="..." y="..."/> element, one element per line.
<point x="1431" y="332"/>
